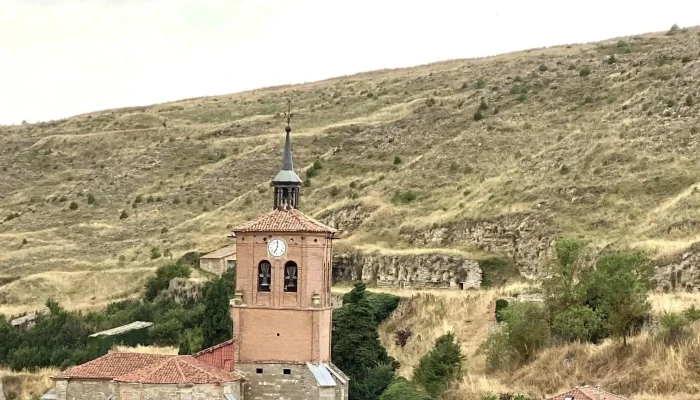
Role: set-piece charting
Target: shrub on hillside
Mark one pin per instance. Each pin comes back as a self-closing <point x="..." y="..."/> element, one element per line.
<point x="440" y="367"/>
<point x="674" y="327"/>
<point x="155" y="253"/>
<point x="90" y="199"/>
<point x="401" y="389"/>
<point x="497" y="272"/>
<point x="585" y="71"/>
<point x="191" y="259"/>
<point x="374" y="384"/>
<point x="692" y="313"/>
<point x="164" y="274"/>
<point x="579" y="323"/>
<point x="404" y="197"/>
<point x="73" y="205"/>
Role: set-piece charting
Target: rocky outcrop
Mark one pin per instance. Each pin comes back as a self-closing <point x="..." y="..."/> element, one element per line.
<point x="525" y="238"/>
<point x="408" y="270"/>
<point x="347" y="218"/>
<point x="680" y="273"/>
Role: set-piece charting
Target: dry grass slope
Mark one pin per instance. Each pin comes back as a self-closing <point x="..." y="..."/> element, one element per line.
<point x="646" y="370"/>
<point x="598" y="139"/>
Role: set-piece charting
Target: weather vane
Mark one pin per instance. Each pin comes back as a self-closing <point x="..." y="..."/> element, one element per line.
<point x="289" y="113"/>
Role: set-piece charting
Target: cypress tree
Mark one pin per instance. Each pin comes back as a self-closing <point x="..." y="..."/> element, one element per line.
<point x="217" y="325"/>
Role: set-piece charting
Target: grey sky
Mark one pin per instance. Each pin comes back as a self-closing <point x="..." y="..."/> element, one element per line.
<point x="64" y="57"/>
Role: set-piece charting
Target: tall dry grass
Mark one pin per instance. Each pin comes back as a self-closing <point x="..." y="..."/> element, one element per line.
<point x="24" y="385"/>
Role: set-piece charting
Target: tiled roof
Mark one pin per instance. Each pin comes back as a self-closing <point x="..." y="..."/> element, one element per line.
<point x="587" y="393"/>
<point x="291" y="220"/>
<point x="179" y="369"/>
<point x="112" y="365"/>
<point x="221" y="253"/>
<point x="212" y="348"/>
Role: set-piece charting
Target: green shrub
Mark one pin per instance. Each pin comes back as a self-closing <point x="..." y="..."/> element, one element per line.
<point x="382" y="305"/>
<point x="216" y="323"/>
<point x="155" y="253"/>
<point x="138" y="199"/>
<point x="401" y="389"/>
<point x="611" y="60"/>
<point x="397" y="160"/>
<point x="689" y="101"/>
<point x="314" y="169"/>
<point x="404" y="197"/>
<point x="498" y="351"/>
<point x="674" y="29"/>
<point x="478" y="116"/>
<point x="191" y="259"/>
<point x="483" y="106"/>
<point x="90" y="199"/>
<point x="692" y="313"/>
<point x="430" y="102"/>
<point x="501" y="304"/>
<point x="73" y="205"/>
<point x="480" y="83"/>
<point x="440" y="367"/>
<point x="374" y="384"/>
<point x="578" y="324"/>
<point x="526" y="330"/>
<point x="686" y="59"/>
<point x="674" y="326"/>
<point x="585" y="71"/>
<point x="161" y="281"/>
<point x="335" y="191"/>
<point x="543" y="68"/>
<point x="522" y="97"/>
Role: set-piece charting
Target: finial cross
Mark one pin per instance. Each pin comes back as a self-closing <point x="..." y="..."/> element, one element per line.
<point x="288" y="114"/>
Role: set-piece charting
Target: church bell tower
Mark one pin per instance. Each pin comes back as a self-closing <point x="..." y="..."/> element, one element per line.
<point x="281" y="311"/>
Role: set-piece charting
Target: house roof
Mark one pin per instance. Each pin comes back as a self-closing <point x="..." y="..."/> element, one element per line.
<point x="587" y="393"/>
<point x="124" y="328"/>
<point x="212" y="348"/>
<point x="179" y="369"/>
<point x="221" y="253"/>
<point x="112" y="365"/>
<point x="287" y="220"/>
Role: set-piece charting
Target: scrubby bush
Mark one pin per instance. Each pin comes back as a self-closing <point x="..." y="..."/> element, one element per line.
<point x="401" y="389"/>
<point x="90" y="199"/>
<point x="478" y="116"/>
<point x="440" y="367"/>
<point x="397" y="160"/>
<point x="692" y="313"/>
<point x="164" y="275"/>
<point x="674" y="327"/>
<point x="123" y="215"/>
<point x="579" y="323"/>
<point x="585" y="71"/>
<point x="73" y="205"/>
<point x="404" y="197"/>
<point x="155" y="253"/>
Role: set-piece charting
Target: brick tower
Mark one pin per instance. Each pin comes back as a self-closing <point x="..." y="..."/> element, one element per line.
<point x="282" y="307"/>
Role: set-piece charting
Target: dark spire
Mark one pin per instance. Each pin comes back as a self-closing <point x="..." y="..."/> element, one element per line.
<point x="287" y="183"/>
<point x="287" y="164"/>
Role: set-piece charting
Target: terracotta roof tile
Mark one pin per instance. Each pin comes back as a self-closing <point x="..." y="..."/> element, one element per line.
<point x="291" y="220"/>
<point x="112" y="365"/>
<point x="212" y="348"/>
<point x="179" y="369"/>
<point x="587" y="393"/>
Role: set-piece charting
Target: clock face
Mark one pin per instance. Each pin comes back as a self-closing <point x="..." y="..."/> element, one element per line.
<point x="277" y="247"/>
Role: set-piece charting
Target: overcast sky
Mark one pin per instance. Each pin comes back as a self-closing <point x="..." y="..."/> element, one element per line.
<point x="64" y="57"/>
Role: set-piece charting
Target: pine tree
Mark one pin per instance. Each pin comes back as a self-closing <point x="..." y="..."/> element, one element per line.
<point x="217" y="325"/>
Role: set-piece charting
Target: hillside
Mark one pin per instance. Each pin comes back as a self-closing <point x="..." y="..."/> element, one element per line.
<point x="597" y="139"/>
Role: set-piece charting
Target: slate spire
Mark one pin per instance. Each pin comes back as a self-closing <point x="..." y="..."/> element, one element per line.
<point x="287" y="183"/>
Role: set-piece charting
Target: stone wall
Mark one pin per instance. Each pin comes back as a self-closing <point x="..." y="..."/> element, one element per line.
<point x="269" y="381"/>
<point x="524" y="237"/>
<point x="408" y="270"/>
<point x="76" y="389"/>
<point x="135" y="391"/>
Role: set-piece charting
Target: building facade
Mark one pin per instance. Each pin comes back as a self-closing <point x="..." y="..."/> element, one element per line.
<point x="219" y="261"/>
<point x="282" y="309"/>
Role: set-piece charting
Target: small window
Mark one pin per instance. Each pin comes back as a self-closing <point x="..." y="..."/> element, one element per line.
<point x="230" y="264"/>
<point x="264" y="276"/>
<point x="258" y="370"/>
<point x="287" y="371"/>
<point x="290" y="276"/>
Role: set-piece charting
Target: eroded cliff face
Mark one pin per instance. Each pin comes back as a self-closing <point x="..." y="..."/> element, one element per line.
<point x="681" y="273"/>
<point x="408" y="270"/>
<point x="525" y="238"/>
<point x="347" y="218"/>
